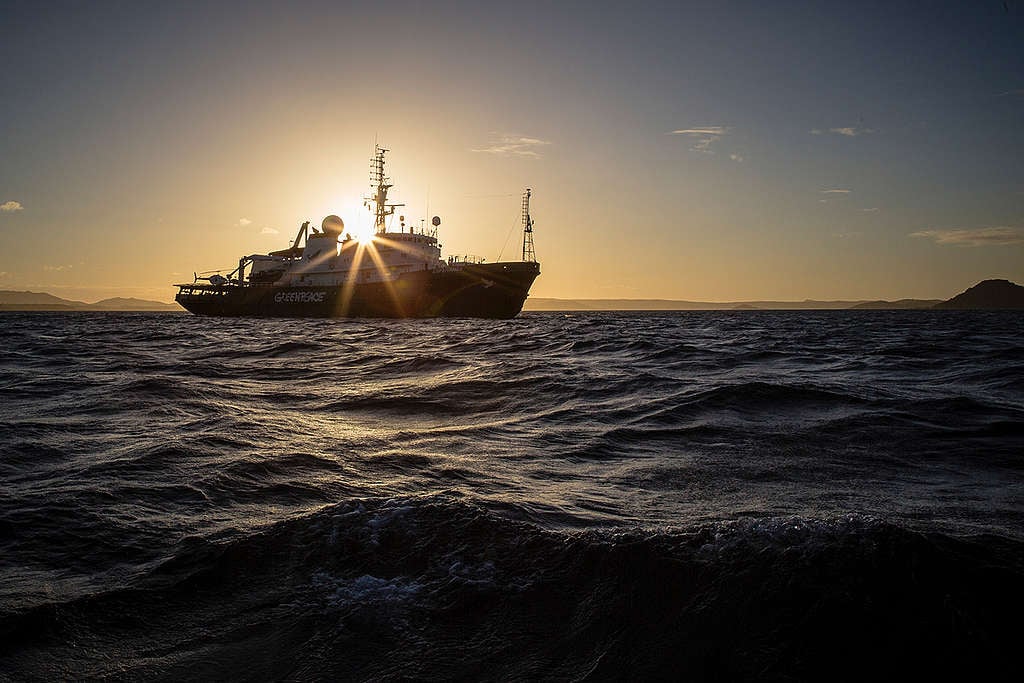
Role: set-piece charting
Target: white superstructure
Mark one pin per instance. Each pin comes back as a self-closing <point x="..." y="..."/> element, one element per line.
<point x="331" y="256"/>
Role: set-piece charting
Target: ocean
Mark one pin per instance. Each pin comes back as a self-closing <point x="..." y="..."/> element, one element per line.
<point x="730" y="495"/>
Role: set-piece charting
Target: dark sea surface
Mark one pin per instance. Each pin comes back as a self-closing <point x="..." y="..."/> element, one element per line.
<point x="746" y="495"/>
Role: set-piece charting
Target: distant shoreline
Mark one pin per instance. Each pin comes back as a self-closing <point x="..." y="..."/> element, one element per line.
<point x="541" y="305"/>
<point x="986" y="295"/>
<point x="579" y="305"/>
<point x="68" y="309"/>
<point x="24" y="301"/>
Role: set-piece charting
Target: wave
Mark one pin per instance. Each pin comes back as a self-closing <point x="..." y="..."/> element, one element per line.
<point x="535" y="498"/>
<point x="276" y="350"/>
<point x="438" y="587"/>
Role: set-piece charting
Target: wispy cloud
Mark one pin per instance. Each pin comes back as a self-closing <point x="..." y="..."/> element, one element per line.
<point x="737" y="158"/>
<point x="513" y="145"/>
<point x="57" y="268"/>
<point x="833" y="194"/>
<point x="10" y="206"/>
<point x="703" y="136"/>
<point x="268" y="231"/>
<point x="870" y="209"/>
<point x="242" y="222"/>
<point x="1018" y="92"/>
<point x="706" y="130"/>
<point x="848" y="131"/>
<point x="974" y="237"/>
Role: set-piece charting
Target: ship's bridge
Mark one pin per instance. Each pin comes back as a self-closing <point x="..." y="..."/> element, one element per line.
<point x="405" y="250"/>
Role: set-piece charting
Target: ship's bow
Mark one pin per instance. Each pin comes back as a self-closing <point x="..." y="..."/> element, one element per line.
<point x="487" y="290"/>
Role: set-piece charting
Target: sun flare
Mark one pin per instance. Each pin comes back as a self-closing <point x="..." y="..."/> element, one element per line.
<point x="358" y="221"/>
<point x="363" y="233"/>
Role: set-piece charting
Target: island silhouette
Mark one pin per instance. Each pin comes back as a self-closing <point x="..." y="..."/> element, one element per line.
<point x="987" y="295"/>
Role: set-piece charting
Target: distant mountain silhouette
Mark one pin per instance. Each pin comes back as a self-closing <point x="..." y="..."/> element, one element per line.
<point x="899" y="304"/>
<point x="41" y="301"/>
<point x="11" y="298"/>
<point x="120" y="303"/>
<point x="988" y="294"/>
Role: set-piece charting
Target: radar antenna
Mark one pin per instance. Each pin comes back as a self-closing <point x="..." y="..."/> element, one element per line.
<point x="528" y="253"/>
<point x="380" y="183"/>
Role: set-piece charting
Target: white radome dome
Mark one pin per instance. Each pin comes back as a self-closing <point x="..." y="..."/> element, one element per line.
<point x="333" y="224"/>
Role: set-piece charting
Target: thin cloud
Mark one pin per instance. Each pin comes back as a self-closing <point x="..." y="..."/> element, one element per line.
<point x="833" y="194"/>
<point x="57" y="268"/>
<point x="706" y="130"/>
<point x="871" y="209"/>
<point x="1017" y="92"/>
<point x="974" y="237"/>
<point x="268" y="231"/>
<point x="10" y="206"/>
<point x="703" y="136"/>
<point x="242" y="222"/>
<point x="513" y="145"/>
<point x="737" y="158"/>
<point x="846" y="131"/>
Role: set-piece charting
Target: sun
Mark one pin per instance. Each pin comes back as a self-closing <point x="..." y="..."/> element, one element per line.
<point x="363" y="233"/>
<point x="357" y="220"/>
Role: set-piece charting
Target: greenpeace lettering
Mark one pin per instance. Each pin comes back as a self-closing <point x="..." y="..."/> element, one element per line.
<point x="300" y="297"/>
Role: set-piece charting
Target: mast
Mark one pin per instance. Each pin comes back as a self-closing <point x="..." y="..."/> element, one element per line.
<point x="528" y="253"/>
<point x="380" y="183"/>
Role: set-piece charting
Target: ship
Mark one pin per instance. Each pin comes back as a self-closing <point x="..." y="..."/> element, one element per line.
<point x="330" y="273"/>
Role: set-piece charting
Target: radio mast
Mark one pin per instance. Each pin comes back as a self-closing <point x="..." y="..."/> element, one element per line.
<point x="528" y="253"/>
<point x="380" y="183"/>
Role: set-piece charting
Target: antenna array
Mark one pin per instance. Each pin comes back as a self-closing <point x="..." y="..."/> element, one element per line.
<point x="380" y="183"/>
<point x="528" y="252"/>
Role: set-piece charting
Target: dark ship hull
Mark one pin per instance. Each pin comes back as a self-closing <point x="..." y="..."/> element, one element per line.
<point x="492" y="290"/>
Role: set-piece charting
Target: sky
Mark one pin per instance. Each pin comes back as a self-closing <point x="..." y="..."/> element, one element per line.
<point x="715" y="151"/>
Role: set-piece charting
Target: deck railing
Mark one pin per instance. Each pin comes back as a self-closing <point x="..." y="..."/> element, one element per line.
<point x="465" y="258"/>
